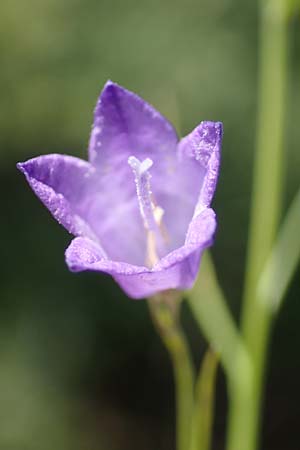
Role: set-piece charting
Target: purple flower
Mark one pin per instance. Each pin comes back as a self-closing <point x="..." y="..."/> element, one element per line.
<point x="140" y="207"/>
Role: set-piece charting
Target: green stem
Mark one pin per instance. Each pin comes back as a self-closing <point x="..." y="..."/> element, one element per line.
<point x="164" y="310"/>
<point x="204" y="403"/>
<point x="246" y="394"/>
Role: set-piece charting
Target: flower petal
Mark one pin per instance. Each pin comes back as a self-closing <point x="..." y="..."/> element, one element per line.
<point x="199" y="153"/>
<point x="177" y="270"/>
<point x="199" y="235"/>
<point x="190" y="187"/>
<point x="194" y="181"/>
<point x="86" y="204"/>
<point x="62" y="184"/>
<point x="124" y="125"/>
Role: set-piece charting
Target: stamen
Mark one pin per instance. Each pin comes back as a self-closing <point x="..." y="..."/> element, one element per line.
<point x="151" y="214"/>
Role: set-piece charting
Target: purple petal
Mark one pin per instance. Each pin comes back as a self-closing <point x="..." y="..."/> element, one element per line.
<point x="177" y="270"/>
<point x="199" y="153"/>
<point x="199" y="235"/>
<point x="61" y="182"/>
<point x="192" y="183"/>
<point x="125" y="125"/>
<point x="88" y="204"/>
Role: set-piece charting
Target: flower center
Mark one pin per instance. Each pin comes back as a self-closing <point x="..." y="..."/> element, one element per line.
<point x="151" y="213"/>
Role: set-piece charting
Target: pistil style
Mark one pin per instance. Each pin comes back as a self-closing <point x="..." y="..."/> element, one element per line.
<point x="151" y="214"/>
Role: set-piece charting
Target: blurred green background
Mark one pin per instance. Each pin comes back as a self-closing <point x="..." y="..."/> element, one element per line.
<point x="80" y="365"/>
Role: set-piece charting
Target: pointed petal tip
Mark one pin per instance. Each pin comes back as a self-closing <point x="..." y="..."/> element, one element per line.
<point x="219" y="128"/>
<point x="211" y="133"/>
<point x="23" y="167"/>
<point x="111" y="86"/>
<point x="20" y="166"/>
<point x="211" y="127"/>
<point x="108" y="84"/>
<point x="109" y="90"/>
<point x="28" y="167"/>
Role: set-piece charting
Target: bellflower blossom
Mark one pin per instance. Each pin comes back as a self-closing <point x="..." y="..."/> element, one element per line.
<point x="139" y="209"/>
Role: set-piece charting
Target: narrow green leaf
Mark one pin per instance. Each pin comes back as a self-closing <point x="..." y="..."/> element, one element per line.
<point x="283" y="260"/>
<point x="210" y="310"/>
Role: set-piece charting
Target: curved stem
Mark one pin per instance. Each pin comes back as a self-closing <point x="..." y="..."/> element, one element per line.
<point x="164" y="310"/>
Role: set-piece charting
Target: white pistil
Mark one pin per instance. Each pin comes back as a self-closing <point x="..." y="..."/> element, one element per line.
<point x="151" y="214"/>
